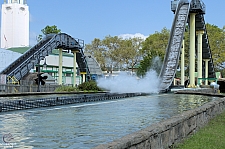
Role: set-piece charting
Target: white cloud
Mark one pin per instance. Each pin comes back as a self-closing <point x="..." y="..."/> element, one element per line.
<point x="127" y="36"/>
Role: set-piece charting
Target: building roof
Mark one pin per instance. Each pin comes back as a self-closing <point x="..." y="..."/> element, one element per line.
<point x="22" y="50"/>
<point x="7" y="57"/>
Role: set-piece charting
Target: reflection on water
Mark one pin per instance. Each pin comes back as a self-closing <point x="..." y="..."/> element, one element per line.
<point x="88" y="124"/>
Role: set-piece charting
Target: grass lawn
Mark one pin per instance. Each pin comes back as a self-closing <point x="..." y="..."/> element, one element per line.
<point x="212" y="136"/>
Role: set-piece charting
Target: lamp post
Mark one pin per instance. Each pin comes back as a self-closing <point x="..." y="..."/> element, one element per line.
<point x="39" y="58"/>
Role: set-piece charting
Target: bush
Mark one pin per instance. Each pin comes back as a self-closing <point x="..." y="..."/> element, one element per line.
<point x="90" y="85"/>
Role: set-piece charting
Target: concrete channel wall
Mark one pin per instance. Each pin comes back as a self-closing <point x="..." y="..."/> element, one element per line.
<point x="171" y="131"/>
<point x="56" y="101"/>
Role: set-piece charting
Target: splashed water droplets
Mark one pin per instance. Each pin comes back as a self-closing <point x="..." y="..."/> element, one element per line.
<point x="125" y="83"/>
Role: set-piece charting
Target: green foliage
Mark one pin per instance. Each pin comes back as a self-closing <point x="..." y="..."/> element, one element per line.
<point x="66" y="89"/>
<point x="86" y="86"/>
<point x="156" y="42"/>
<point x="96" y="49"/>
<point x="186" y="48"/>
<point x="151" y="61"/>
<point x="39" y="38"/>
<point x="112" y="46"/>
<point x="115" y="52"/>
<point x="131" y="52"/>
<point x="144" y="66"/>
<point x="216" y="37"/>
<point x="154" y="46"/>
<point x="48" y="30"/>
<point x="89" y="86"/>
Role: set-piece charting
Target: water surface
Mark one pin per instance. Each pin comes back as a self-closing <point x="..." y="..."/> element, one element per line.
<point x="87" y="125"/>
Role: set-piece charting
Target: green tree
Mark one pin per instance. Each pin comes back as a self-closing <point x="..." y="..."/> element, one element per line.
<point x="115" y="52"/>
<point x="157" y="41"/>
<point x="186" y="50"/>
<point x="112" y="46"/>
<point x="48" y="30"/>
<point x="131" y="52"/>
<point x="154" y="46"/>
<point x="216" y="37"/>
<point x="98" y="51"/>
<point x="153" y="60"/>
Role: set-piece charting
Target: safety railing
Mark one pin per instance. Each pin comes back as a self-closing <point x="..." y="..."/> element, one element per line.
<point x="12" y="80"/>
<point x="203" y="80"/>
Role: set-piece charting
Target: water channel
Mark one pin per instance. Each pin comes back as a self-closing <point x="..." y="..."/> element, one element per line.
<point x="86" y="125"/>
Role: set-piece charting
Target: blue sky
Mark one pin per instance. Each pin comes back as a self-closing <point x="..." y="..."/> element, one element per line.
<point x="89" y="19"/>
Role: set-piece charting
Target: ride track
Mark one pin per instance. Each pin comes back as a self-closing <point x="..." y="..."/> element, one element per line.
<point x="20" y="67"/>
<point x="172" y="55"/>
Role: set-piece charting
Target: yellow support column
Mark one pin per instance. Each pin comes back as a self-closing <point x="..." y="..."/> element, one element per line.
<point x="182" y="64"/>
<point x="200" y="33"/>
<point x="206" y="70"/>
<point x="192" y="51"/>
<point x="83" y="76"/>
<point x="60" y="67"/>
<point x="74" y="68"/>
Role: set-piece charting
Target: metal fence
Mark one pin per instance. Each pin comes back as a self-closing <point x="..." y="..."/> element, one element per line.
<point x="18" y="88"/>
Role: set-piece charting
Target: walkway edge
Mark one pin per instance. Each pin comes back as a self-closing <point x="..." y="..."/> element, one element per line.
<point x="199" y="92"/>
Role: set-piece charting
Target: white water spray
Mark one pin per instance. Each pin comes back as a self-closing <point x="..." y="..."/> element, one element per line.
<point x="125" y="83"/>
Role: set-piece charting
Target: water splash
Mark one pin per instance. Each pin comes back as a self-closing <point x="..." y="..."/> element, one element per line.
<point x="125" y="83"/>
<point x="156" y="64"/>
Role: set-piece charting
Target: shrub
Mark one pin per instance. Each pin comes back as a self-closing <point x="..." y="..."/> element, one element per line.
<point x="90" y="85"/>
